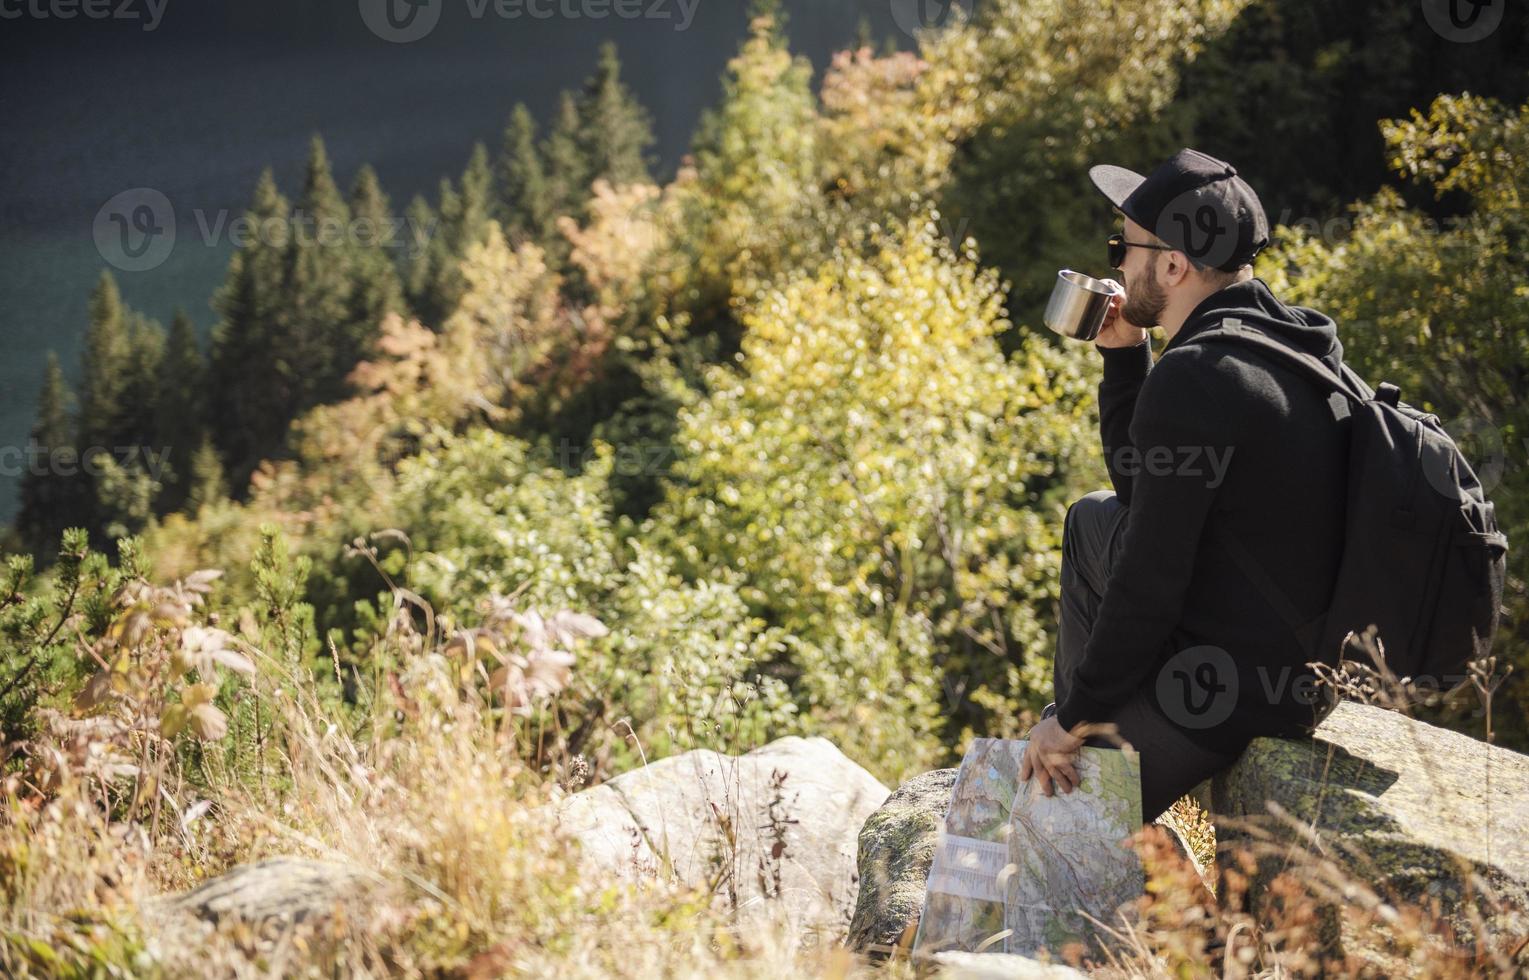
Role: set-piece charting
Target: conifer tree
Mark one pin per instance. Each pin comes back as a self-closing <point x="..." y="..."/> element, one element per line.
<point x="180" y="426"/>
<point x="376" y="289"/>
<point x="424" y="228"/>
<point x="616" y="130"/>
<point x="436" y="275"/>
<point x="102" y="381"/>
<point x="523" y="204"/>
<point x="50" y="488"/>
<point x="566" y="166"/>
<point x="248" y="397"/>
<point x="138" y="420"/>
<point x="314" y="325"/>
<point x="205" y="484"/>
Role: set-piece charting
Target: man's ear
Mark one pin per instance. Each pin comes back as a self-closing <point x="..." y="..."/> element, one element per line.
<point x="1177" y="269"/>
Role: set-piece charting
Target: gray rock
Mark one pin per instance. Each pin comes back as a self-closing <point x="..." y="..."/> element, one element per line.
<point x="285" y="890"/>
<point x="773" y="831"/>
<point x="1413" y="811"/>
<point x="896" y="848"/>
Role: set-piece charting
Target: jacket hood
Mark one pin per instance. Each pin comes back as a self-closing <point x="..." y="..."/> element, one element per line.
<point x="1254" y="304"/>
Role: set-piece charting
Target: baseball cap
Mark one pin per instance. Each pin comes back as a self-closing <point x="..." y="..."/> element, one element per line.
<point x="1195" y="203"/>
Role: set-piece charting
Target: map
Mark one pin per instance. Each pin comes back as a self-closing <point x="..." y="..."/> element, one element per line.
<point x="1018" y="872"/>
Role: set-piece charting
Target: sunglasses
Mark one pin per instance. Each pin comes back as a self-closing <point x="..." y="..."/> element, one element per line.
<point x="1117" y="244"/>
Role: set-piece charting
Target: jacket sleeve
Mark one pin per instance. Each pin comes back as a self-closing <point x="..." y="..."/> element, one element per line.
<point x="1176" y="422"/>
<point x="1125" y="368"/>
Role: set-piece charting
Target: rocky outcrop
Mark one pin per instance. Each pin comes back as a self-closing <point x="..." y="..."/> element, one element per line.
<point x="1417" y="813"/>
<point x="772" y="831"/>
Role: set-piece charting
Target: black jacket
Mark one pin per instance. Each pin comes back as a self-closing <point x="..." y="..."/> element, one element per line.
<point x="1213" y="439"/>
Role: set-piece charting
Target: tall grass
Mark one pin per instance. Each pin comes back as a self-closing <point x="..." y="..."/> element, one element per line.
<point x="438" y="804"/>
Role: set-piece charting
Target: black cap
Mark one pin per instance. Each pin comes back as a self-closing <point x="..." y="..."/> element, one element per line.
<point x="1195" y="203"/>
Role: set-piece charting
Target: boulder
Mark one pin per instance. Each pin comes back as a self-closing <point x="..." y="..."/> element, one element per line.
<point x="1418" y="813"/>
<point x="276" y="891"/>
<point x="896" y="848"/>
<point x="772" y="831"/>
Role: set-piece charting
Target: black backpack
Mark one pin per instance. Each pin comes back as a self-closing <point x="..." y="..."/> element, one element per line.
<point x="1423" y="560"/>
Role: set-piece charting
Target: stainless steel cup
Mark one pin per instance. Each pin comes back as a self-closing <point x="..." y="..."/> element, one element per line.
<point x="1078" y="305"/>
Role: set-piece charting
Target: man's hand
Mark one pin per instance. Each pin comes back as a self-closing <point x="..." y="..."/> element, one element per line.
<point x="1116" y="332"/>
<point x="1050" y="755"/>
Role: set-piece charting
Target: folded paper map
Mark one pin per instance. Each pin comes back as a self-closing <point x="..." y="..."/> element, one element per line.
<point x="1015" y="871"/>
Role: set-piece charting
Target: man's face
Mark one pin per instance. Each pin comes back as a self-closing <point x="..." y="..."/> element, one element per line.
<point x="1145" y="296"/>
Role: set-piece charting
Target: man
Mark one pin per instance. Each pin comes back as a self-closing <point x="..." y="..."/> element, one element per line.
<point x="1189" y="593"/>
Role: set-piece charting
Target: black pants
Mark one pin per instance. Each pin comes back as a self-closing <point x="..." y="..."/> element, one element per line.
<point x="1173" y="760"/>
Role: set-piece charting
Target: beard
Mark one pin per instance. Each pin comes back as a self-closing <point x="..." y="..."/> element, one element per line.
<point x="1145" y="300"/>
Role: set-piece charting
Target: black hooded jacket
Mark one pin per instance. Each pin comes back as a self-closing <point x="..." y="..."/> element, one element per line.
<point x="1211" y="439"/>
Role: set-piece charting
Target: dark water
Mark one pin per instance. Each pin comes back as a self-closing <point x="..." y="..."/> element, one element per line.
<point x="195" y="107"/>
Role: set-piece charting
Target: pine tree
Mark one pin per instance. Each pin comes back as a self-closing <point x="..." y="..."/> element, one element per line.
<point x="376" y="290"/>
<point x="435" y="277"/>
<point x="249" y="399"/>
<point x="314" y="326"/>
<point x="758" y="168"/>
<point x="523" y="205"/>
<point x="567" y="168"/>
<point x="51" y="497"/>
<point x="615" y="128"/>
<point x="180" y="427"/>
<point x="863" y="36"/>
<point x="138" y="420"/>
<point x="102" y="381"/>
<point x="470" y="224"/>
<point x="205" y="485"/>
<point x="424" y="229"/>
